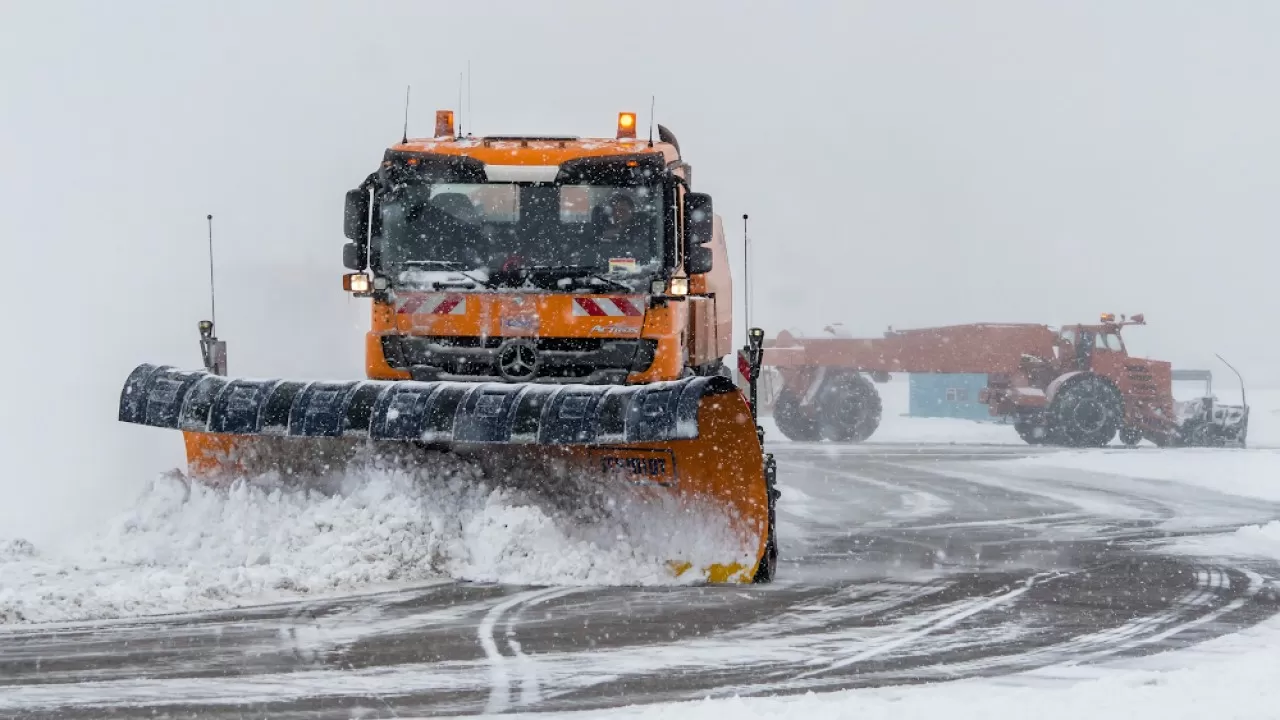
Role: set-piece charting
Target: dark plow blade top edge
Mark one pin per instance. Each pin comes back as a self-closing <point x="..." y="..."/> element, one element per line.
<point x="433" y="412"/>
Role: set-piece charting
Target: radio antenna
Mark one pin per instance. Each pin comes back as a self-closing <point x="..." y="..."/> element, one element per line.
<point x="459" y="104"/>
<point x="213" y="307"/>
<point x="653" y="100"/>
<point x="404" y="138"/>
<point x="212" y="350"/>
<point x="469" y="92"/>
<point x="746" y="271"/>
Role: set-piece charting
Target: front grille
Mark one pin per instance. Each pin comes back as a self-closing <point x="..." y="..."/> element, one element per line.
<point x="560" y="359"/>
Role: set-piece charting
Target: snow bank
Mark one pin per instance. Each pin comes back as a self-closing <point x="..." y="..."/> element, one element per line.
<point x="1251" y="473"/>
<point x="187" y="547"/>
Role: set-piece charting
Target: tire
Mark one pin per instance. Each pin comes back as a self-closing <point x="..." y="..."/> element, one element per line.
<point x="793" y="421"/>
<point x="1130" y="436"/>
<point x="767" y="570"/>
<point x="1026" y="430"/>
<point x="1086" y="412"/>
<point x="849" y="408"/>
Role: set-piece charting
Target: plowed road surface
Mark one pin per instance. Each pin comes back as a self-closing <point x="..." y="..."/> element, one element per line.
<point x="902" y="565"/>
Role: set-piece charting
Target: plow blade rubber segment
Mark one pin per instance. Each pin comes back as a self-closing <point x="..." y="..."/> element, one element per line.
<point x="691" y="440"/>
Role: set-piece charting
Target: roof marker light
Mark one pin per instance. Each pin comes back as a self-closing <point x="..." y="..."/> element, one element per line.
<point x="444" y="123"/>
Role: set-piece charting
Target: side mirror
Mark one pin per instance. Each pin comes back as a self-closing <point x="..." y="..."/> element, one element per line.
<point x="699" y="219"/>
<point x="698" y="260"/>
<point x="354" y="256"/>
<point x="355" y="220"/>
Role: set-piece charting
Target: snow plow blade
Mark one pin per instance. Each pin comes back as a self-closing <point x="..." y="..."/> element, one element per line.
<point x="691" y="441"/>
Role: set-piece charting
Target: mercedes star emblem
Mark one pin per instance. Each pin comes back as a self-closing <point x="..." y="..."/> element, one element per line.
<point x="517" y="360"/>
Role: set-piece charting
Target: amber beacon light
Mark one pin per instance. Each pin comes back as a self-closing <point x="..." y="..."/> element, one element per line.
<point x="626" y="125"/>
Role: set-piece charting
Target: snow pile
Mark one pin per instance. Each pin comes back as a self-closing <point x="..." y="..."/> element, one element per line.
<point x="1250" y="541"/>
<point x="189" y="547"/>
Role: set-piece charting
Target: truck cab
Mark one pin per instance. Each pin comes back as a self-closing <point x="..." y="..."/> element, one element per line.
<point x="538" y="259"/>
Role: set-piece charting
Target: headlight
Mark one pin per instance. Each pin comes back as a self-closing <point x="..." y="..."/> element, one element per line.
<point x="356" y="283"/>
<point x="657" y="287"/>
<point x="680" y="286"/>
<point x="380" y="283"/>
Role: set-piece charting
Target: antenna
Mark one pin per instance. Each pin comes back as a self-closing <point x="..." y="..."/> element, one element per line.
<point x="459" y="104"/>
<point x="746" y="271"/>
<point x="405" y="137"/>
<point x="653" y="100"/>
<point x="213" y="307"/>
<point x="212" y="350"/>
<point x="469" y="92"/>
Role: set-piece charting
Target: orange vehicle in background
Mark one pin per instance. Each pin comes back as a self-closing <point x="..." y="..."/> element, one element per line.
<point x="555" y="308"/>
<point x="1075" y="386"/>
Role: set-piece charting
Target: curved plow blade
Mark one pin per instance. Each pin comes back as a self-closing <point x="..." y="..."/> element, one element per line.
<point x="691" y="442"/>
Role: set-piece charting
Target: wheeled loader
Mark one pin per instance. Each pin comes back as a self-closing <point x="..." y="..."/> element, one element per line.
<point x="1074" y="386"/>
<point x="543" y="306"/>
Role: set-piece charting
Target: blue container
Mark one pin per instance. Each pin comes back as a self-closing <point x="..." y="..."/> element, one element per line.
<point x="947" y="395"/>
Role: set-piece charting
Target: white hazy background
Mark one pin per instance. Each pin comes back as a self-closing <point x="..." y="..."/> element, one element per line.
<point x="904" y="164"/>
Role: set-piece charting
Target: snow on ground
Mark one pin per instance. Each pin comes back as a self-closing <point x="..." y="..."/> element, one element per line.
<point x="190" y="547"/>
<point x="1247" y="473"/>
<point x="1251" y="473"/>
<point x="1228" y="678"/>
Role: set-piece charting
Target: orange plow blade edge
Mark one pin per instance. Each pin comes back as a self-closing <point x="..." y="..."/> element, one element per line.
<point x="689" y="446"/>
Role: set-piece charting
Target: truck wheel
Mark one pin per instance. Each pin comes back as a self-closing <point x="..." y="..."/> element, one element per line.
<point x="1130" y="436"/>
<point x="1027" y="431"/>
<point x="1086" y="412"/>
<point x="849" y="408"/>
<point x="768" y="568"/>
<point x="793" y="421"/>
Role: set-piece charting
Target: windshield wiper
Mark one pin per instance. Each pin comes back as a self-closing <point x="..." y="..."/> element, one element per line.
<point x="578" y="272"/>
<point x="452" y="267"/>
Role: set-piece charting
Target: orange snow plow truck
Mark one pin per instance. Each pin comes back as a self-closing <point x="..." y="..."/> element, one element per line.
<point x="554" y="309"/>
<point x="1074" y="386"/>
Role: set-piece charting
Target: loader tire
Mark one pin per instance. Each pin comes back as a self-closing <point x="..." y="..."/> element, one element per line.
<point x="1130" y="436"/>
<point x="1027" y="431"/>
<point x="795" y="422"/>
<point x="849" y="408"/>
<point x="1086" y="412"/>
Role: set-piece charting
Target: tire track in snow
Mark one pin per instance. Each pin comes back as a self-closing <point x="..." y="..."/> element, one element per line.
<point x="499" y="679"/>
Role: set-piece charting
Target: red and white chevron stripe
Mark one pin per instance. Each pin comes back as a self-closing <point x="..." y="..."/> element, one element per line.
<point x="616" y="306"/>
<point x="431" y="304"/>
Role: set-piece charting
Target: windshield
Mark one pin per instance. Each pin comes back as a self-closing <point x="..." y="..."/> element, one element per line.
<point x="508" y="227"/>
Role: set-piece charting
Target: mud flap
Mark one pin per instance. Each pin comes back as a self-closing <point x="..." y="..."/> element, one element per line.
<point x="690" y="440"/>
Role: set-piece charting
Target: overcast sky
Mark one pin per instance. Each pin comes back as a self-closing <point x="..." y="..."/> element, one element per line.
<point x="904" y="164"/>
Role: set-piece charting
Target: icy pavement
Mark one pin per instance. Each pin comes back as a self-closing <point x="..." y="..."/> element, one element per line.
<point x="1229" y="678"/>
<point x="897" y="569"/>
